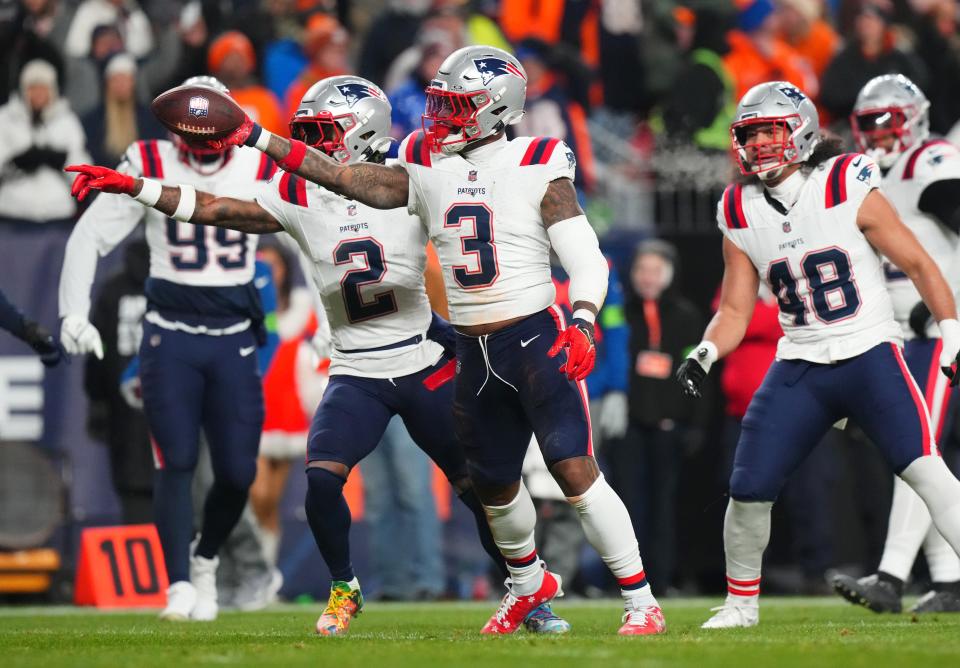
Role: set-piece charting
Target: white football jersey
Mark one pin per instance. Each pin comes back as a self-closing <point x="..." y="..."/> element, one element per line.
<point x="932" y="161"/>
<point x="482" y="211"/>
<point x="827" y="278"/>
<point x="368" y="266"/>
<point x="181" y="253"/>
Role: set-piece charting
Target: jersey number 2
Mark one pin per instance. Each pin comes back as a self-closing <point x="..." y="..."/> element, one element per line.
<point x="190" y="252"/>
<point x="353" y="281"/>
<point x="479" y="244"/>
<point x="832" y="288"/>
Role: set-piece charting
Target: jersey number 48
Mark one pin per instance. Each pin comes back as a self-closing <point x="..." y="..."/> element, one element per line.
<point x="832" y="289"/>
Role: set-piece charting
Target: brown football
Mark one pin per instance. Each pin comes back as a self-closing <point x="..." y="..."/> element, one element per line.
<point x="197" y="112"/>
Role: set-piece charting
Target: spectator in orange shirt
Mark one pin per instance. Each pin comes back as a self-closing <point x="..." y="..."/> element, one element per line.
<point x="325" y="44"/>
<point x="802" y="27"/>
<point x="757" y="54"/>
<point x="231" y="59"/>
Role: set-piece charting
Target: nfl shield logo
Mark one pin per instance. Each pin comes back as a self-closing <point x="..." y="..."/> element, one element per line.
<point x="472" y="175"/>
<point x="351" y="209"/>
<point x="786" y="227"/>
<point x="198" y="106"/>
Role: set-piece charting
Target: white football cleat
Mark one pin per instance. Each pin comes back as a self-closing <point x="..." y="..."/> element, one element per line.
<point x="181" y="599"/>
<point x="203" y="575"/>
<point x="731" y="616"/>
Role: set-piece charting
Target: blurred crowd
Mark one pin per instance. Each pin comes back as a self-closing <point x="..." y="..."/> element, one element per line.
<point x="642" y="90"/>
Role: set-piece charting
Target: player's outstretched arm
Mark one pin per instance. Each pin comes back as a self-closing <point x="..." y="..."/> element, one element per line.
<point x="882" y="227"/>
<point x="575" y="243"/>
<point x="738" y="296"/>
<point x="379" y="186"/>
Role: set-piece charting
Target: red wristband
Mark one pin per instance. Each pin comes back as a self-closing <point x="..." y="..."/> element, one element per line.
<point x="291" y="161"/>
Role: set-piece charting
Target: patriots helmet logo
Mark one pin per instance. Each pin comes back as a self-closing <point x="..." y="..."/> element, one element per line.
<point x="354" y="92"/>
<point x="490" y="68"/>
<point x="864" y="174"/>
<point x="794" y="95"/>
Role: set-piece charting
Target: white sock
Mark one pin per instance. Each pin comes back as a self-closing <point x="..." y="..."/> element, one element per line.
<point x="512" y="527"/>
<point x="908" y="525"/>
<point x="943" y="562"/>
<point x="931" y="479"/>
<point x="607" y="525"/>
<point x="354" y="584"/>
<point x="746" y="532"/>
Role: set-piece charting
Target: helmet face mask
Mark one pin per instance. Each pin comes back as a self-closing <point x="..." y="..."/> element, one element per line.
<point x="345" y="117"/>
<point x="889" y="116"/>
<point x="477" y="92"/>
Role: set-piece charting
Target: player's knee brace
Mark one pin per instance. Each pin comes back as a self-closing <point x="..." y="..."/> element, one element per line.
<point x="324" y="486"/>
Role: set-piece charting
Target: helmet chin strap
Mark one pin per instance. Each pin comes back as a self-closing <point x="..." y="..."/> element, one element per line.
<point x="770" y="174"/>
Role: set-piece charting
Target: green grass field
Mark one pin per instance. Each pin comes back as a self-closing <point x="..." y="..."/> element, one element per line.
<point x="793" y="632"/>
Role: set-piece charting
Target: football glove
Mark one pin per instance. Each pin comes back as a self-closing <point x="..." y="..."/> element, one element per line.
<point x="130" y="388"/>
<point x="950" y="352"/>
<point x="93" y="177"/>
<point x="612" y="419"/>
<point x="79" y="337"/>
<point x="695" y="368"/>
<point x="920" y="319"/>
<point x="43" y="343"/>
<point x="242" y="136"/>
<point x="577" y="338"/>
<point x="443" y="333"/>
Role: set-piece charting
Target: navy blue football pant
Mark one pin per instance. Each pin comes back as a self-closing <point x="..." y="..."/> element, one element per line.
<point x="923" y="360"/>
<point x="799" y="401"/>
<point x="192" y="382"/>
<point x="507" y="389"/>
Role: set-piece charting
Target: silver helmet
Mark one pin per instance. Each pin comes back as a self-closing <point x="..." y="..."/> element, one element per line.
<point x="478" y="91"/>
<point x="346" y="117"/>
<point x="201" y="158"/>
<point x="792" y="129"/>
<point x="890" y="115"/>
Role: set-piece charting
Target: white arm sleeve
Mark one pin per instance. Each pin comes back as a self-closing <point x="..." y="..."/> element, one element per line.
<point x="576" y="245"/>
<point x="108" y="221"/>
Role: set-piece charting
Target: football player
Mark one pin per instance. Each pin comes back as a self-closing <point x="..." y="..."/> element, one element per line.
<point x="203" y="323"/>
<point x="493" y="208"/>
<point x="811" y="224"/>
<point x="388" y="352"/>
<point x="921" y="178"/>
<point x="30" y="332"/>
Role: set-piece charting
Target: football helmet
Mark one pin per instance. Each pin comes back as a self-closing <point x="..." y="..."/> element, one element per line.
<point x="346" y="117"/>
<point x="478" y="91"/>
<point x="792" y="129"/>
<point x="890" y="115"/>
<point x="200" y="158"/>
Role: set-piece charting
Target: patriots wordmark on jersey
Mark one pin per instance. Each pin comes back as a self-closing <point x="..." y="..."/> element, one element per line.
<point x="827" y="278"/>
<point x="368" y="266"/>
<point x="483" y="213"/>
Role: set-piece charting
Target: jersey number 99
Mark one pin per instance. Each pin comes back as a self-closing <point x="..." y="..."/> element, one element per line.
<point x="190" y="251"/>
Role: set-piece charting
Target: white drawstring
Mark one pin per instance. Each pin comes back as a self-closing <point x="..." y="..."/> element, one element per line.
<point x="482" y="340"/>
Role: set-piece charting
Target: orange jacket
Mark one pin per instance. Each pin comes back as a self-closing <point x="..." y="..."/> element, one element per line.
<point x="818" y="46"/>
<point x="261" y="106"/>
<point x="749" y="67"/>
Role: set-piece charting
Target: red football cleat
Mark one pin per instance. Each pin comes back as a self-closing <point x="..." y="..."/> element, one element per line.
<point x="642" y="621"/>
<point x="514" y="609"/>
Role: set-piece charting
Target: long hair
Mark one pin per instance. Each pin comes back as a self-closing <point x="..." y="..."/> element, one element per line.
<point x="121" y="126"/>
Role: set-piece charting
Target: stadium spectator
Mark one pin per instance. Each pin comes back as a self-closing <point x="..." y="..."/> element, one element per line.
<point x="409" y="98"/>
<point x="405" y="534"/>
<point x="934" y="25"/>
<point x="231" y="59"/>
<point x="326" y="44"/>
<point x="757" y="53"/>
<point x="871" y="50"/>
<point x="803" y="28"/>
<point x="700" y="104"/>
<point x="133" y="24"/>
<point x="85" y="75"/>
<point x="35" y="30"/>
<point x="447" y="27"/>
<point x="39" y="134"/>
<point x="550" y="112"/>
<point x="116" y="416"/>
<point x="664" y="426"/>
<point x="391" y="33"/>
<point x="120" y="120"/>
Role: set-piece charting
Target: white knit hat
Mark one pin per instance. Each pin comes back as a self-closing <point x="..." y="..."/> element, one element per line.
<point x="121" y="63"/>
<point x="38" y="72"/>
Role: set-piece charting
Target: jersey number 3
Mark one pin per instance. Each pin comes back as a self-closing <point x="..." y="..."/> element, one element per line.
<point x="832" y="288"/>
<point x="479" y="245"/>
<point x="370" y="253"/>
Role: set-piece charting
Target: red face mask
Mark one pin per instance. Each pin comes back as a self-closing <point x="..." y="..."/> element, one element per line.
<point x="324" y="132"/>
<point x="883" y="129"/>
<point x="762" y="144"/>
<point x="449" y="116"/>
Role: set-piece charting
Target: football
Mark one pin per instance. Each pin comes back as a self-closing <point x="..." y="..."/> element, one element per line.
<point x="197" y="113"/>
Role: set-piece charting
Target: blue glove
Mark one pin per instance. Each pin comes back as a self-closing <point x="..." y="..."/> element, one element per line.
<point x="443" y="333"/>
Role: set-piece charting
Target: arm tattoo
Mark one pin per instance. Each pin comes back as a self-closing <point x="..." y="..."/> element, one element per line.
<point x="559" y="202"/>
<point x="234" y="214"/>
<point x="378" y="186"/>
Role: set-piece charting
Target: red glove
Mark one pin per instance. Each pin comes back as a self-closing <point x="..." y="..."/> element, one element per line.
<point x="92" y="177"/>
<point x="581" y="352"/>
<point x="239" y="137"/>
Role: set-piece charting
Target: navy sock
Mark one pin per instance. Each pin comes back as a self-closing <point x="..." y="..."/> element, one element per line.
<point x="472" y="501"/>
<point x="173" y="514"/>
<point x="329" y="518"/>
<point x="221" y="512"/>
